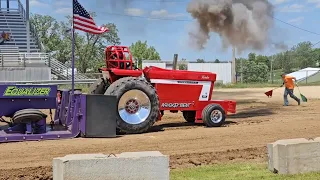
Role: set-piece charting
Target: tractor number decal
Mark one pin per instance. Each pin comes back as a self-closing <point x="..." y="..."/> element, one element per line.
<point x="205" y="95"/>
<point x="175" y="105"/>
<point x="27" y="91"/>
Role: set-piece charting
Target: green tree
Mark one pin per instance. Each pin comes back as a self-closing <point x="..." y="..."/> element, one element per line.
<point x="263" y="59"/>
<point x="287" y="62"/>
<point x="251" y="56"/>
<point x="316" y="56"/>
<point x="303" y="56"/>
<point x="299" y="56"/>
<point x="238" y="63"/>
<point x="89" y="48"/>
<point x="48" y="30"/>
<point x="182" y="65"/>
<point x="254" y="72"/>
<point x="278" y="61"/>
<point x="200" y="61"/>
<point x="217" y="61"/>
<point x="140" y="51"/>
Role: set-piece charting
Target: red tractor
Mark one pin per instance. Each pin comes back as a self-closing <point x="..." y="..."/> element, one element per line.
<point x="144" y="95"/>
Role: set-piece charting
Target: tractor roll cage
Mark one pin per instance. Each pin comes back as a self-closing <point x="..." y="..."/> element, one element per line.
<point x="118" y="57"/>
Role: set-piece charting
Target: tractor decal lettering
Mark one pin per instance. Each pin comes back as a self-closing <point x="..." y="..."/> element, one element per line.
<point x="175" y="105"/>
<point x="188" y="82"/>
<point x="26" y="91"/>
<point x="204" y="77"/>
<point x="185" y="105"/>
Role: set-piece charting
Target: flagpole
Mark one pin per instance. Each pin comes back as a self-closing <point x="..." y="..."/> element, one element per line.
<point x="73" y="41"/>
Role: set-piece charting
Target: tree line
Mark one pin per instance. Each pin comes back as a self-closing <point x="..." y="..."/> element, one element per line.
<point x="257" y="68"/>
<point x="56" y="39"/>
<point x="89" y="50"/>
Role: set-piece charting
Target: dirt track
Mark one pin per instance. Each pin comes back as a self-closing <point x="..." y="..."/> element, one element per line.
<point x="259" y="120"/>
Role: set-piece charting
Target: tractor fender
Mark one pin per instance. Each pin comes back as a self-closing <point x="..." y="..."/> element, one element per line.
<point x="126" y="72"/>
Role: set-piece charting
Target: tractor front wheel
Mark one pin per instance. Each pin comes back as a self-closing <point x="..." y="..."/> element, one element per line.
<point x="138" y="104"/>
<point x="213" y="115"/>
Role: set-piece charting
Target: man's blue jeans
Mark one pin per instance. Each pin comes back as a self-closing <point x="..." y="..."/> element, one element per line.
<point x="285" y="96"/>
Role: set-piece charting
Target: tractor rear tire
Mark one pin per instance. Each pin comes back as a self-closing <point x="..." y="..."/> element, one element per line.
<point x="128" y="105"/>
<point x="98" y="87"/>
<point x="208" y="115"/>
<point x="189" y="116"/>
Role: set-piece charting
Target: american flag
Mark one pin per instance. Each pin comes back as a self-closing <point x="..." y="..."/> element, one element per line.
<point x="84" y="22"/>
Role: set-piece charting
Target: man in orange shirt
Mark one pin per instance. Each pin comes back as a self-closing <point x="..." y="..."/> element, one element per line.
<point x="289" y="87"/>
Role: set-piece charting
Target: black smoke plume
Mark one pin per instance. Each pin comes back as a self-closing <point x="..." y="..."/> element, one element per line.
<point x="243" y="24"/>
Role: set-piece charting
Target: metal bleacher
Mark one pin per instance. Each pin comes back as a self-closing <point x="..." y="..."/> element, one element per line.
<point x="23" y="50"/>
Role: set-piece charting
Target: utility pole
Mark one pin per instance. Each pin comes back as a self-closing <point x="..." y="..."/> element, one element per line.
<point x="241" y="64"/>
<point x="175" y="60"/>
<point x="233" y="65"/>
<point x="28" y="25"/>
<point x="271" y="68"/>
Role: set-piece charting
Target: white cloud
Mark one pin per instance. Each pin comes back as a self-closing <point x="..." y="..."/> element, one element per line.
<point x="134" y="11"/>
<point x="62" y="3"/>
<point x="65" y="11"/>
<point x="62" y="7"/>
<point x="315" y="2"/>
<point x="37" y="3"/>
<point x="277" y="2"/>
<point x="296" y="21"/>
<point x="162" y="13"/>
<point x="292" y="8"/>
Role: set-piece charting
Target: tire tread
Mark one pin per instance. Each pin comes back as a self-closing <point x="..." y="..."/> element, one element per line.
<point x="206" y="115"/>
<point x="128" y="83"/>
<point x="98" y="87"/>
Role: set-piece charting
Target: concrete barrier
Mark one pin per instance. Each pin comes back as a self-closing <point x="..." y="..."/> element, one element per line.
<point x="293" y="156"/>
<point x="149" y="165"/>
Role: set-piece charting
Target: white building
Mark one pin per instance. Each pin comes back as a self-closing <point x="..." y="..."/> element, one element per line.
<point x="307" y="75"/>
<point x="160" y="64"/>
<point x="222" y="69"/>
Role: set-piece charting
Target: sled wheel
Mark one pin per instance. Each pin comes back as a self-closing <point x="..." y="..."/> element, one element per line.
<point x="189" y="116"/>
<point x="213" y="115"/>
<point x="98" y="87"/>
<point x="28" y="115"/>
<point x="138" y="104"/>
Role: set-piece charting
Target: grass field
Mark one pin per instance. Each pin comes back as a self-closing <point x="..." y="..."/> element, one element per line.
<point x="237" y="171"/>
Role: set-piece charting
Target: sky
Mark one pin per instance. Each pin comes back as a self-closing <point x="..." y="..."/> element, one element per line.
<point x="137" y="20"/>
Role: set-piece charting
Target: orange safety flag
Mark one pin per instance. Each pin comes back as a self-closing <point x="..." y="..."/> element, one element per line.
<point x="269" y="93"/>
